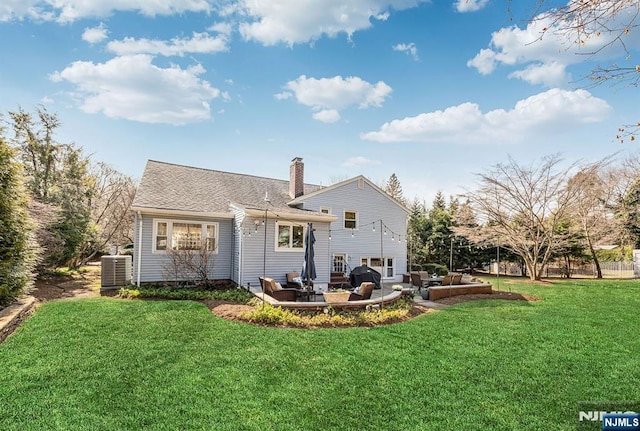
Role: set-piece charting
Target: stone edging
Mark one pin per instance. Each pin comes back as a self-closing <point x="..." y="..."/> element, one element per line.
<point x="12" y="315"/>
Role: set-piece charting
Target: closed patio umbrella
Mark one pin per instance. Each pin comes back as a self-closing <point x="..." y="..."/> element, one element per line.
<point x="309" y="265"/>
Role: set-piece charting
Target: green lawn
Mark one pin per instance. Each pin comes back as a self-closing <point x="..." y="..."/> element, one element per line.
<point x="108" y="364"/>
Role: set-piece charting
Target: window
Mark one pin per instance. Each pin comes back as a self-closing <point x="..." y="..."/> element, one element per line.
<point x="389" y="267"/>
<point x="325" y="210"/>
<point x="289" y="237"/>
<point x="183" y="235"/>
<point x="338" y="262"/>
<point x="161" y="236"/>
<point x="350" y="219"/>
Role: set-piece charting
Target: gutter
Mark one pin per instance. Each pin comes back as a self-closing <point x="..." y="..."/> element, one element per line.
<point x="184" y="213"/>
<point x="284" y="215"/>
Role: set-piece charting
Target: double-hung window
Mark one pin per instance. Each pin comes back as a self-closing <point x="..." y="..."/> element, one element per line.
<point x="184" y="235"/>
<point x="350" y="219"/>
<point x="289" y="237"/>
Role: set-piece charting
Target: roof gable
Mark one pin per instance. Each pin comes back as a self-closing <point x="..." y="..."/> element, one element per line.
<point x="344" y="183"/>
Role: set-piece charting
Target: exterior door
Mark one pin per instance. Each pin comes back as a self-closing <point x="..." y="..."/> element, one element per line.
<point x="338" y="262"/>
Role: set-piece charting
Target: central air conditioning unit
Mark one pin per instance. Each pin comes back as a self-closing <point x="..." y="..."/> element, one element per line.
<point x="116" y="271"/>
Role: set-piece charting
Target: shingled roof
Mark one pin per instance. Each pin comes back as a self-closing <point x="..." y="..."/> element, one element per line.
<point x="167" y="186"/>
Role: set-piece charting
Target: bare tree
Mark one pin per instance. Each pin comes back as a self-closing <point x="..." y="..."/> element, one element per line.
<point x="193" y="266"/>
<point x="112" y="195"/>
<point x="614" y="23"/>
<point x="522" y="208"/>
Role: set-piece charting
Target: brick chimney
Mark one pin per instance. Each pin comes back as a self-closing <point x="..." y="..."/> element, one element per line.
<point x="296" y="177"/>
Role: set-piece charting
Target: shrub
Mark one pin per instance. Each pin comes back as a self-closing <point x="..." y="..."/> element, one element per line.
<point x="269" y="315"/>
<point x="330" y="317"/>
<point x="17" y="249"/>
<point x="437" y="268"/>
<point x="128" y="293"/>
<point x="195" y="294"/>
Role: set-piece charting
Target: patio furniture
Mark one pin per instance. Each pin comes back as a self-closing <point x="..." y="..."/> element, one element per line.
<point x="363" y="292"/>
<point x="294" y="280"/>
<point x="270" y="288"/>
<point x="422" y="279"/>
<point x="452" y="278"/>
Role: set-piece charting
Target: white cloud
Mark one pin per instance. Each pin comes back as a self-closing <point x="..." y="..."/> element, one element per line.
<point x="201" y="43"/>
<point x="327" y="116"/>
<point x="470" y="5"/>
<point x="353" y="162"/>
<point x="294" y="21"/>
<point x="551" y="112"/>
<point x="46" y="100"/>
<point x="542" y="48"/>
<point x="222" y="28"/>
<point x="71" y="10"/>
<point x="132" y="88"/>
<point x="552" y="74"/>
<point x="95" y="34"/>
<point x="409" y="48"/>
<point x="335" y="94"/>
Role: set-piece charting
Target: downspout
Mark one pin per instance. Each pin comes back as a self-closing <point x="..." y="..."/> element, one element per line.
<point x="240" y="242"/>
<point x="139" y="263"/>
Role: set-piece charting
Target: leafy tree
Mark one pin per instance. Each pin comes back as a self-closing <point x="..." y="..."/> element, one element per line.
<point x="417" y="234"/>
<point x="17" y="251"/>
<point x="631" y="215"/>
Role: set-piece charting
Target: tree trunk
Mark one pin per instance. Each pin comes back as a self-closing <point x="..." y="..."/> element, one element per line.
<point x="595" y="259"/>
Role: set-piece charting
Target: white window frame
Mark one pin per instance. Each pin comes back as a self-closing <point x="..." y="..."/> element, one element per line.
<point x="366" y="260"/>
<point x="325" y="210"/>
<point x="344" y="219"/>
<point x="344" y="262"/>
<point x="290" y="249"/>
<point x="170" y="223"/>
<point x="387" y="267"/>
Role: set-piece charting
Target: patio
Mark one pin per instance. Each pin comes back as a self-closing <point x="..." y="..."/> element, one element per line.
<point x="314" y="300"/>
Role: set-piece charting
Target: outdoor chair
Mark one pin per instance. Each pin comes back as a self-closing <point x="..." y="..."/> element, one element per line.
<point x="294" y="280"/>
<point x="364" y="292"/>
<point x="416" y="280"/>
<point x="452" y="278"/>
<point x="270" y="288"/>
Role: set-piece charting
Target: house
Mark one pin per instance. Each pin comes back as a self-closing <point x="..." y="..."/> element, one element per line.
<point x="254" y="226"/>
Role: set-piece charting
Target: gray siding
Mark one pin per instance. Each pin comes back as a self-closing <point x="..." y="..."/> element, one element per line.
<point x="236" y="270"/>
<point x="152" y="265"/>
<point x="372" y="206"/>
<point x="277" y="263"/>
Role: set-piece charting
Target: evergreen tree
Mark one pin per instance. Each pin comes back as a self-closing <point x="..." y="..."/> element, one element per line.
<point x="394" y="189"/>
<point x="17" y="252"/>
<point x="58" y="178"/>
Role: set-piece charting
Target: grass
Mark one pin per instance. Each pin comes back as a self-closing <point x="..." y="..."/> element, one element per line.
<point x="107" y="364"/>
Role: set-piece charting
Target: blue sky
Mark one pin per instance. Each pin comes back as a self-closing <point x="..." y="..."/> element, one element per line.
<point x="434" y="91"/>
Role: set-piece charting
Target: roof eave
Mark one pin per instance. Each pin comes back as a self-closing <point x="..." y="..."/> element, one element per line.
<point x="184" y="213"/>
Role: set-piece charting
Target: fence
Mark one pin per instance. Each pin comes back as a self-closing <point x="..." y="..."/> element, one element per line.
<point x="609" y="270"/>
